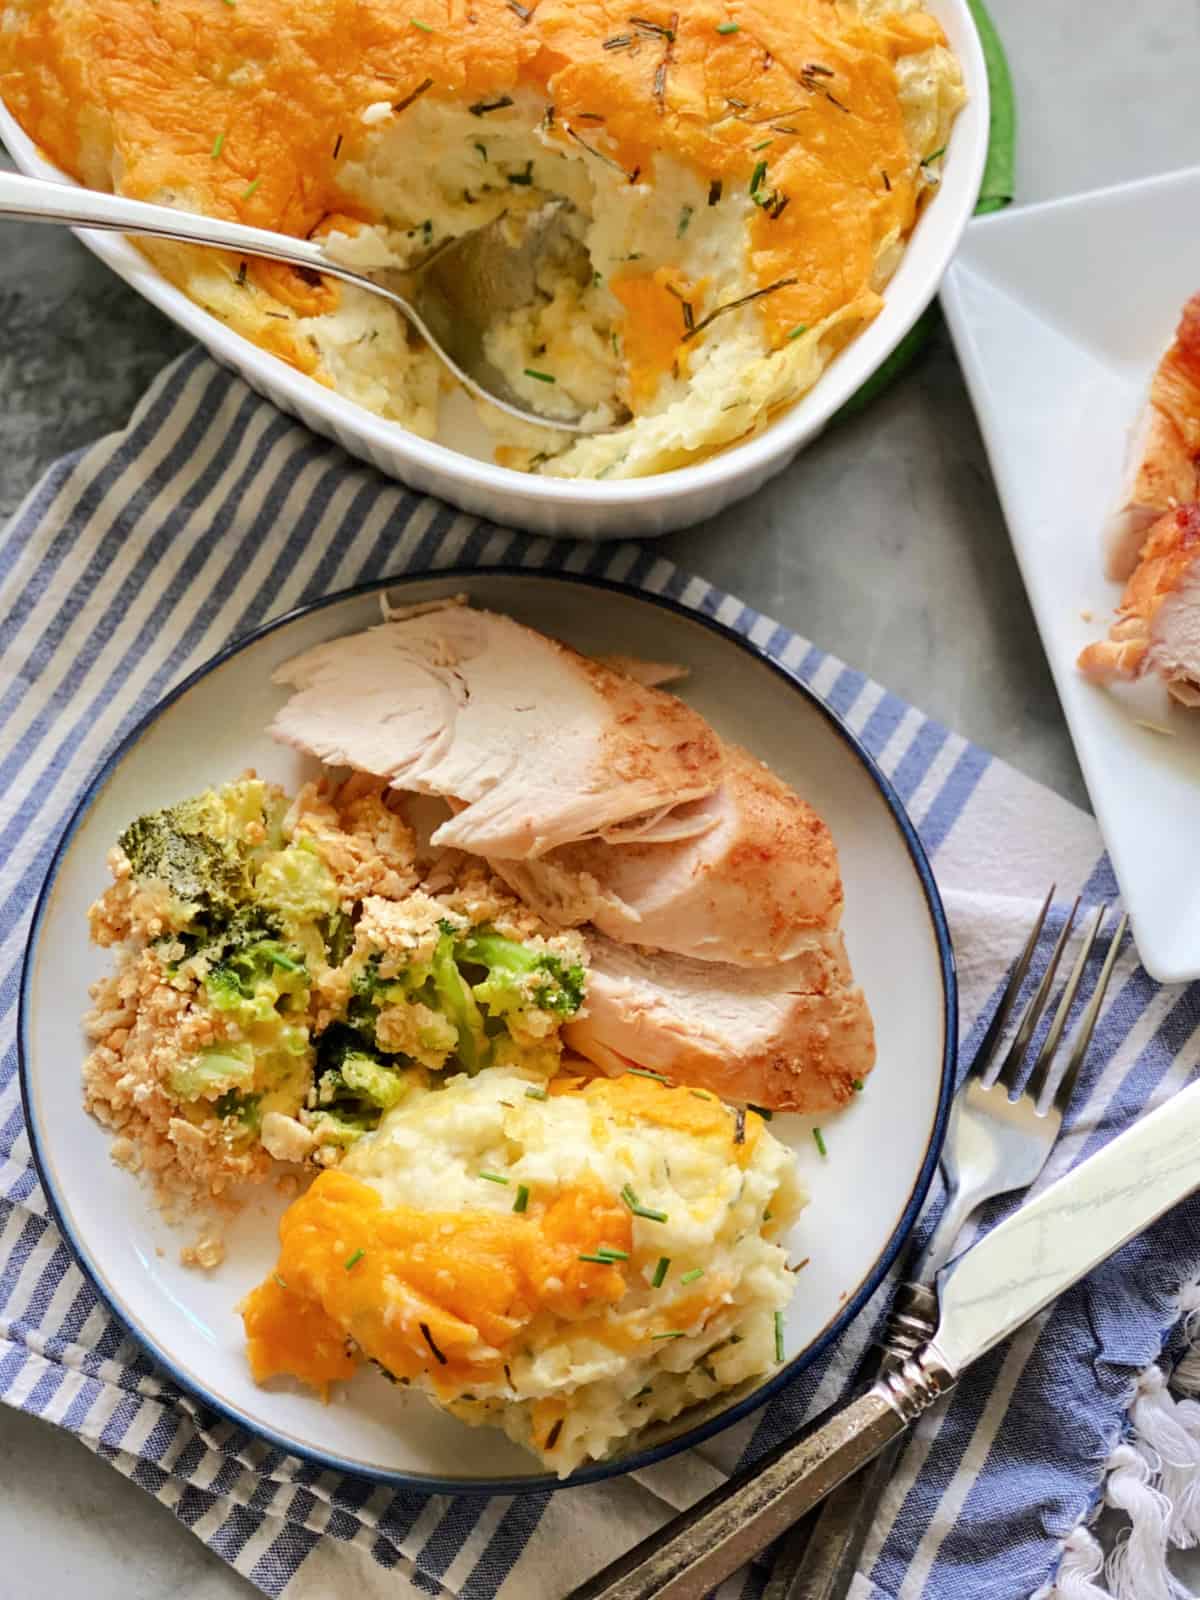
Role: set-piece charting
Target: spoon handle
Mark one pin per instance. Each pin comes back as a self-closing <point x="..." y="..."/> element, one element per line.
<point x="37" y="200"/>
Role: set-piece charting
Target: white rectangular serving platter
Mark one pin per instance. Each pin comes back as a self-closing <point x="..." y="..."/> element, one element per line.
<point x="1060" y="313"/>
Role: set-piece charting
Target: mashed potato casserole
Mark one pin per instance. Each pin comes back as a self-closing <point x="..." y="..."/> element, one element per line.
<point x="567" y="1261"/>
<point x="739" y="176"/>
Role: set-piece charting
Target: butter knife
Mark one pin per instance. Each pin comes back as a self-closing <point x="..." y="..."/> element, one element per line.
<point x="1010" y="1275"/>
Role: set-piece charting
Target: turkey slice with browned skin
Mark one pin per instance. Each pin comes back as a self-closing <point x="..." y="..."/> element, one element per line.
<point x="540" y="746"/>
<point x="793" y="1037"/>
<point x="749" y="889"/>
<point x="1158" y="619"/>
<point x="1163" y="466"/>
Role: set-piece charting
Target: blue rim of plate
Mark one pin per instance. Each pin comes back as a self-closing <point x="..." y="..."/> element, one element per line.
<point x="541" y="1483"/>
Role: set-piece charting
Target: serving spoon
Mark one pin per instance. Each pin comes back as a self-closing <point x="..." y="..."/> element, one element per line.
<point x="451" y="298"/>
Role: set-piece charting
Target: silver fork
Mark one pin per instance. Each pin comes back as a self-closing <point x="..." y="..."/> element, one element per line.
<point x="997" y="1141"/>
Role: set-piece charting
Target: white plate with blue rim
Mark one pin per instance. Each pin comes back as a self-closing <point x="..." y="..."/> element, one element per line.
<point x="866" y="1191"/>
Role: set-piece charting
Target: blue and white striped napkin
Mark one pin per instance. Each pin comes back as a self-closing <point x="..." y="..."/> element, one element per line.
<point x="129" y="565"/>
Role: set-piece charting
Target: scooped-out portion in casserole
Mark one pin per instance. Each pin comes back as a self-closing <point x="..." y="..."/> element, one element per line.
<point x="736" y="183"/>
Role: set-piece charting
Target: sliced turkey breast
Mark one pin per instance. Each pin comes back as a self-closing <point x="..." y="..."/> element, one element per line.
<point x="794" y="1037"/>
<point x="540" y="746"/>
<point x="749" y="888"/>
<point x="1158" y="619"/>
<point x="1163" y="464"/>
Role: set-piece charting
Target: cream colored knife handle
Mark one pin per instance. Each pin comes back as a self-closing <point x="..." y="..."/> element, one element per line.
<point x="698" y="1550"/>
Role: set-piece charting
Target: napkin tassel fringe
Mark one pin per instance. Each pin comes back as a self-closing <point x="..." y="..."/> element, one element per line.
<point x="1153" y="1478"/>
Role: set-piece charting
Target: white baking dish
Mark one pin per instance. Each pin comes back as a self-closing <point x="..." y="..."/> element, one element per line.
<point x="637" y="507"/>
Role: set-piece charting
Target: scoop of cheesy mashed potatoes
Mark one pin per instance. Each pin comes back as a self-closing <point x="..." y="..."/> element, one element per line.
<point x="740" y="177"/>
<point x="568" y="1262"/>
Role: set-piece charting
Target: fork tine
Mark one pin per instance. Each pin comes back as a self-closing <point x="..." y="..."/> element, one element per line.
<point x="1011" y="1066"/>
<point x="1008" y="999"/>
<point x="1083" y="1039"/>
<point x="1040" y="1075"/>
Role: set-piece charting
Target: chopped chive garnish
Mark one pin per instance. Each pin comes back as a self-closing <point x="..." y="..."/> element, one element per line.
<point x="779" y="1336"/>
<point x="522" y="1200"/>
<point x="700" y="1094"/>
<point x="597" y="279"/>
<point x="279" y="1280"/>
<point x="766" y="1216"/>
<point x="819" y="1141"/>
<point x="728" y="27"/>
<point x="542" y="377"/>
<point x="353" y="1260"/>
<point x="644" y="1072"/>
<point x="337" y="147"/>
<point x="230" y="3"/>
<point x="241" y="276"/>
<point x="675" y="1333"/>
<point x="417" y="23"/>
<point x="715" y="190"/>
<point x="933" y="155"/>
<point x="492" y="1177"/>
<point x="638" y="1209"/>
<point x="800" y="1265"/>
<point x="250" y="188"/>
<point x="757" y="176"/>
<point x="685" y="216"/>
<point x="482" y="148"/>
<point x="482" y="107"/>
<point x="536" y="1094"/>
<point x="801" y="327"/>
<point x="428" y="1337"/>
<point x="739" y="1126"/>
<point x="857" y="1085"/>
<point x="218" y="145"/>
<point x="735" y="305"/>
<point x="660" y="1272"/>
<point x="763" y="145"/>
<point x="761" y="1111"/>
<point x="605" y="1258"/>
<point x="524" y="179"/>
<point x="690" y="1277"/>
<point x="616" y="345"/>
<point x="612" y="1252"/>
<point x="403" y="105"/>
<point x="552" y="1436"/>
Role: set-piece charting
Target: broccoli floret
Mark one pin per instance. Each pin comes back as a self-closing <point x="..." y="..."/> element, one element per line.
<point x="250" y="981"/>
<point x="198" y="849"/>
<point x="244" y="1108"/>
<point x="203" y="876"/>
<point x="519" y="976"/>
<point x="213" y="1071"/>
<point x="353" y="1079"/>
<point x="370" y="1081"/>
<point x="342" y="1127"/>
<point x="458" y="1003"/>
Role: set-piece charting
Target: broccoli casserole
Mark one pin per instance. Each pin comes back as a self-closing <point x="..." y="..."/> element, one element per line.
<point x="737" y="180"/>
<point x="286" y="972"/>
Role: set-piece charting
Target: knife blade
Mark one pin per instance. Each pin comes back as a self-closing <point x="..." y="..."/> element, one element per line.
<point x="1010" y="1275"/>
